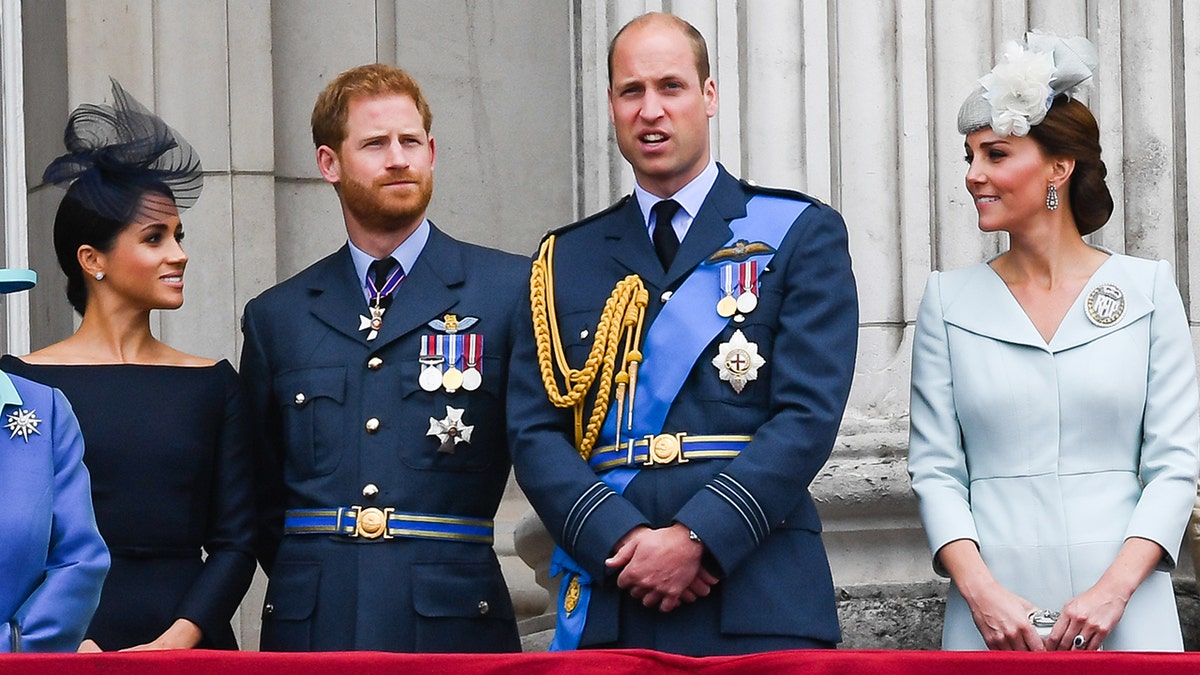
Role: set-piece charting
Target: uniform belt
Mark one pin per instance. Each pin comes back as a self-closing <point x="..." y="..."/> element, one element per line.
<point x="666" y="450"/>
<point x="372" y="522"/>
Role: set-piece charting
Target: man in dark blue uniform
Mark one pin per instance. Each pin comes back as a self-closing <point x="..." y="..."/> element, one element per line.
<point x="695" y="346"/>
<point x="377" y="380"/>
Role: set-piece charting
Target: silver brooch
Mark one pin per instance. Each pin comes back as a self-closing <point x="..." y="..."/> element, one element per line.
<point x="738" y="361"/>
<point x="1105" y="305"/>
<point x="22" y="423"/>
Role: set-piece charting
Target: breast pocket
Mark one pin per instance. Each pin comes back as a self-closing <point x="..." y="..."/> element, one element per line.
<point x="740" y="358"/>
<point x="311" y="403"/>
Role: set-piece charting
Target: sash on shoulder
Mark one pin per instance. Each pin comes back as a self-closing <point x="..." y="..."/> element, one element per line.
<point x="681" y="332"/>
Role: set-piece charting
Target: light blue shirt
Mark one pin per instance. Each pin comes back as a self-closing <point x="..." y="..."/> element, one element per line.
<point x="690" y="197"/>
<point x="406" y="254"/>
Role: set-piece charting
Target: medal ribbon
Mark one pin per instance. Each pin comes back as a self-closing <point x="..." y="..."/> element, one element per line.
<point x="727" y="279"/>
<point x="474" y="352"/>
<point x="748" y="273"/>
<point x="393" y="280"/>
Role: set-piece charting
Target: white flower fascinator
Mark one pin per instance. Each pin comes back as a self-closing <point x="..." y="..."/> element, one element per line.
<point x="1018" y="92"/>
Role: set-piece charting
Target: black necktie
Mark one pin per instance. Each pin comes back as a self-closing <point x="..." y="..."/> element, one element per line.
<point x="378" y="273"/>
<point x="666" y="244"/>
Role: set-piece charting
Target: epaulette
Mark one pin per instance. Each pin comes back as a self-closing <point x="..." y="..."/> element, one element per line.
<point x="779" y="192"/>
<point x="567" y="228"/>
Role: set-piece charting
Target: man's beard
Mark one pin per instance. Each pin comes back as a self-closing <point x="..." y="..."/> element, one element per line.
<point x="375" y="211"/>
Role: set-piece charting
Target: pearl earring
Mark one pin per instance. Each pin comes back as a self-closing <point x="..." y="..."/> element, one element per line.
<point x="99" y="276"/>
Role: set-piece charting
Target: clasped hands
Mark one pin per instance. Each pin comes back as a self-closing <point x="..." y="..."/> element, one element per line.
<point x="661" y="567"/>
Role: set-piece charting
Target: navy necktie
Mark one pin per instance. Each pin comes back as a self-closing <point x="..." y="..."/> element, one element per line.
<point x="378" y="273"/>
<point x="666" y="244"/>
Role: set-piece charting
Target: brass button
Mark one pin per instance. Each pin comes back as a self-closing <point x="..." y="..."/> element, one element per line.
<point x="484" y="608"/>
<point x="666" y="296"/>
<point x="370" y="490"/>
<point x="300" y="399"/>
<point x="372" y="425"/>
<point x="268" y="609"/>
<point x="374" y="363"/>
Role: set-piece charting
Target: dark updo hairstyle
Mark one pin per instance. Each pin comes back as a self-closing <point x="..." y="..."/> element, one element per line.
<point x="1070" y="130"/>
<point x="77" y="224"/>
<point x="116" y="155"/>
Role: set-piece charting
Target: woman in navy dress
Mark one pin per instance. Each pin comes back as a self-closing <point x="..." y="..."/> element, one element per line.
<point x="165" y="433"/>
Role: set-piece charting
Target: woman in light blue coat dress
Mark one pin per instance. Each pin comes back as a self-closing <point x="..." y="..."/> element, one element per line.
<point x="1054" y="407"/>
<point x="52" y="559"/>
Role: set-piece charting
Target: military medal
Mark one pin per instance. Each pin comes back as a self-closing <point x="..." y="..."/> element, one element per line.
<point x="473" y="360"/>
<point x="1105" y="305"/>
<point x="450" y="430"/>
<point x="373" y="323"/>
<point x="22" y="423"/>
<point x="727" y="305"/>
<point x="737" y="361"/>
<point x="431" y="359"/>
<point x="452" y="378"/>
<point x="748" y="282"/>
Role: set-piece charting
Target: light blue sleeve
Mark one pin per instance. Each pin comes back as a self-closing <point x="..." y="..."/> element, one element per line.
<point x="937" y="462"/>
<point x="1170" y="427"/>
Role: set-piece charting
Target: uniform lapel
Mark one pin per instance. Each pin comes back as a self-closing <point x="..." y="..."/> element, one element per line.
<point x="340" y="299"/>
<point x="630" y="243"/>
<point x="710" y="228"/>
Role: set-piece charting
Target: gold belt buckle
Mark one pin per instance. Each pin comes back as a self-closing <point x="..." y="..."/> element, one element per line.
<point x="372" y="522"/>
<point x="665" y="449"/>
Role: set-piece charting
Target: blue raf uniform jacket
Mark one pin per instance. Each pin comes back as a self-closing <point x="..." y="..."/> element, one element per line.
<point x="52" y="561"/>
<point x="343" y="422"/>
<point x="753" y="513"/>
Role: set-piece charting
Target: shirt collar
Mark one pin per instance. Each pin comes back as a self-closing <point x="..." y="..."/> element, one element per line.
<point x="690" y="197"/>
<point x="405" y="254"/>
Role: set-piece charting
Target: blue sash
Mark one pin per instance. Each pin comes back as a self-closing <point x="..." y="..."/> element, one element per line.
<point x="684" y="328"/>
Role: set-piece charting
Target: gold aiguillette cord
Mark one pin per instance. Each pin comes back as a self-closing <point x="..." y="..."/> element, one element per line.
<point x="622" y="317"/>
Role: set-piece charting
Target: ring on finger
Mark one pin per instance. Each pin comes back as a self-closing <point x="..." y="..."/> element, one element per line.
<point x="1079" y="642"/>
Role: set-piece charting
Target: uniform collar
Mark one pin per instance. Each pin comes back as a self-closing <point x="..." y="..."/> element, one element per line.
<point x="690" y="197"/>
<point x="406" y="254"/>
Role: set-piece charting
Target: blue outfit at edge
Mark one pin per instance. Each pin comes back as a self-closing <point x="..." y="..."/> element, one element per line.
<point x="753" y="513"/>
<point x="53" y="560"/>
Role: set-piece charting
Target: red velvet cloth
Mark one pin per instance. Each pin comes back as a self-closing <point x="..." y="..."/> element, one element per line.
<point x="617" y="662"/>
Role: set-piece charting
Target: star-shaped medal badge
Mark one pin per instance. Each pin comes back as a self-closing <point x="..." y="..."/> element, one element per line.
<point x="738" y="361"/>
<point x="372" y="323"/>
<point x="450" y="431"/>
<point x="22" y="423"/>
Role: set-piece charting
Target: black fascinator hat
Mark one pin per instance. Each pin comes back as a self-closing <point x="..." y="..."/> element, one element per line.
<point x="115" y="154"/>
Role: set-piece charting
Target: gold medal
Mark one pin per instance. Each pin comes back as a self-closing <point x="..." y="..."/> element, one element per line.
<point x="452" y="379"/>
<point x="727" y="307"/>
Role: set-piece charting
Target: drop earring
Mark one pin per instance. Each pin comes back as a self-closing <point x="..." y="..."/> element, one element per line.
<point x="1052" y="198"/>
